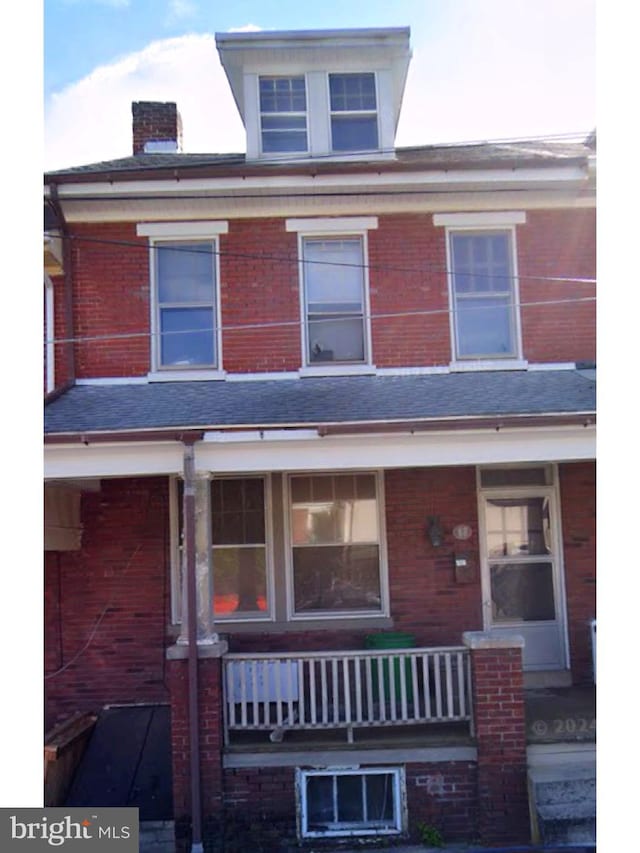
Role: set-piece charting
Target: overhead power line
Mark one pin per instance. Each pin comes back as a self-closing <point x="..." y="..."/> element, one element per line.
<point x="156" y="246"/>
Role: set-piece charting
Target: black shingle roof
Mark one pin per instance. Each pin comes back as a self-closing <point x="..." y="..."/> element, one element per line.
<point x="319" y="400"/>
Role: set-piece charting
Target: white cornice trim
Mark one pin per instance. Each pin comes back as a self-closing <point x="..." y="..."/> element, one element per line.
<point x="250" y="183"/>
<point x="249" y="452"/>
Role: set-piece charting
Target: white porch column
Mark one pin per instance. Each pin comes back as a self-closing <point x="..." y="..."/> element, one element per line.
<point x="206" y="634"/>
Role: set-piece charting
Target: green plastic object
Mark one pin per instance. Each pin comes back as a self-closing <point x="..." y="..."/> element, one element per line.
<point x="391" y="640"/>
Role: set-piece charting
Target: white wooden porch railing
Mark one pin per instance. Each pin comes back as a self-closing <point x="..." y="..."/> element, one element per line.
<point x="347" y="690"/>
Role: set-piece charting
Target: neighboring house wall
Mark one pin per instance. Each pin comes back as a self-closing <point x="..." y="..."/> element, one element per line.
<point x="106" y="606"/>
<point x="259" y="284"/>
<point x="578" y="490"/>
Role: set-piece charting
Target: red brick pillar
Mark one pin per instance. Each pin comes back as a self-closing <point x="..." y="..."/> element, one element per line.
<point x="210" y="717"/>
<point x="499" y="715"/>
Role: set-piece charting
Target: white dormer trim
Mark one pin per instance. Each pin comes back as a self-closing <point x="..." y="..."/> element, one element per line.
<point x="315" y="55"/>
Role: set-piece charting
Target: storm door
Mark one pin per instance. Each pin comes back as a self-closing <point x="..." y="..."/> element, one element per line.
<point x="522" y="580"/>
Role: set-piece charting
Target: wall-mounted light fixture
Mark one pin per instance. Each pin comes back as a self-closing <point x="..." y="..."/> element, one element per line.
<point x="434" y="530"/>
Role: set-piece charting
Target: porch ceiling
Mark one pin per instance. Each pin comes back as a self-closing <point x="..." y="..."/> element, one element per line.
<point x="322" y="402"/>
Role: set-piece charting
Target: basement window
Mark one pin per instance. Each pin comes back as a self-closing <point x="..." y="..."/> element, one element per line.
<point x="350" y="802"/>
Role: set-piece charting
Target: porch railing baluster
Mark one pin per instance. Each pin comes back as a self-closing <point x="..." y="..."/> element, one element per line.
<point x="325" y="690"/>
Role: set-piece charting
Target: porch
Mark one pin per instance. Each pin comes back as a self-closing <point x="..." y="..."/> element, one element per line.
<point x="382" y="699"/>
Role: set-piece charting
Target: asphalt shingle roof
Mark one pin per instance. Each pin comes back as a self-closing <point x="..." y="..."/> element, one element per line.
<point x="319" y="400"/>
<point x="517" y="152"/>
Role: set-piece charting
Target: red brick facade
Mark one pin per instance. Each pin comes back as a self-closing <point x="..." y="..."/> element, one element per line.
<point x="578" y="488"/>
<point x="259" y="284"/>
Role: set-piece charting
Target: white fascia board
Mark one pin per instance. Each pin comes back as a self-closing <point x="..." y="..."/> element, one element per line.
<point x="181" y="229"/>
<point x="331" y="453"/>
<point x="489" y="177"/>
<point x="304" y="450"/>
<point x="297" y="204"/>
<point x="64" y="461"/>
<point x="330" y="225"/>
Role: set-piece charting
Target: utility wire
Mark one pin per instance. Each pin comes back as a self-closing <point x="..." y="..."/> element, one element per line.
<point x="219" y="329"/>
<point x="175" y="247"/>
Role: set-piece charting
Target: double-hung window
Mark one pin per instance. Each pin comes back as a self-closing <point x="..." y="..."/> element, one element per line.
<point x="335" y="541"/>
<point x="240" y="546"/>
<point x="483" y="293"/>
<point x="354" y="112"/>
<point x="185" y="304"/>
<point x="283" y="114"/>
<point x="334" y="299"/>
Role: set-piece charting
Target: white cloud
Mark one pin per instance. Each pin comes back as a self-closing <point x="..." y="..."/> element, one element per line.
<point x="247" y="28"/>
<point x="180" y="10"/>
<point x="91" y="119"/>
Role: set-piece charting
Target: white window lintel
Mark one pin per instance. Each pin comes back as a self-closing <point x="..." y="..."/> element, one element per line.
<point x="182" y="230"/>
<point x="332" y="225"/>
<point x="480" y="219"/>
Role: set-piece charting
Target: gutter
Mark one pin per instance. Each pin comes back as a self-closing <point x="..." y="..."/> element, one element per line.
<point x="54" y="200"/>
<point x="192" y="634"/>
<point x="191" y="434"/>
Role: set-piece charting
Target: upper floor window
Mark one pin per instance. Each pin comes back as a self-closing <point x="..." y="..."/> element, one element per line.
<point x="334" y="299"/>
<point x="354" y="115"/>
<point x="483" y="292"/>
<point x="283" y="114"/>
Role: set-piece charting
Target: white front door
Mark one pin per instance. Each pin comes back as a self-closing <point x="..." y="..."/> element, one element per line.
<point x="522" y="570"/>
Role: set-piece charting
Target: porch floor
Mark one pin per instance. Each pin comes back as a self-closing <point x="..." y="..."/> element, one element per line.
<point x="553" y="715"/>
<point x="561" y="714"/>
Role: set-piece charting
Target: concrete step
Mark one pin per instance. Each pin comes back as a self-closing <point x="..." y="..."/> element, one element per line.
<point x="563" y="804"/>
<point x="157" y="836"/>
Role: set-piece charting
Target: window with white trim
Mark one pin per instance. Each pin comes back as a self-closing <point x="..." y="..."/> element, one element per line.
<point x="335" y="524"/>
<point x="240" y="547"/>
<point x="353" y="111"/>
<point x="334" y="297"/>
<point x="283" y="114"/>
<point x="184" y="318"/>
<point x="350" y="802"/>
<point x="483" y="293"/>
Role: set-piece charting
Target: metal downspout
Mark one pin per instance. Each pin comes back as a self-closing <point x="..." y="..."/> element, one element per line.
<point x="66" y="274"/>
<point x="192" y="634"/>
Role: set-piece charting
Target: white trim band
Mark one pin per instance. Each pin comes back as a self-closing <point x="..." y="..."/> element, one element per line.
<point x="182" y="229"/>
<point x="332" y="225"/>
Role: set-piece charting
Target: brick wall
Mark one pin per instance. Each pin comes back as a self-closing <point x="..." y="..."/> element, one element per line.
<point x="259" y="283"/>
<point x="106" y="606"/>
<point x="557" y="243"/>
<point x="577" y="484"/>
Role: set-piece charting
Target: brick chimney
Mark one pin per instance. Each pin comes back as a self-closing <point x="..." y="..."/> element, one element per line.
<point x="157" y="127"/>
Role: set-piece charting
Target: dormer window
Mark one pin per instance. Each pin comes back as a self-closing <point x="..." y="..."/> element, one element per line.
<point x="354" y="116"/>
<point x="283" y="114"/>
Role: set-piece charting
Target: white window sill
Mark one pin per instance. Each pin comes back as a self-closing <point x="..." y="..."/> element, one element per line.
<point x="179" y="375"/>
<point x="489" y="364"/>
<point x="338" y="370"/>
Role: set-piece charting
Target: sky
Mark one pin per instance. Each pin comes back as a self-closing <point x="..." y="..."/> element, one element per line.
<point x="481" y="69"/>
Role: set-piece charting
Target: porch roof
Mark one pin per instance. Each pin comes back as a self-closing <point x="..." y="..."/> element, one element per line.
<point x="320" y="401"/>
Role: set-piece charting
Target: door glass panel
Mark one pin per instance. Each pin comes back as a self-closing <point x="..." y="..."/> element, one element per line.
<point x="522" y="592"/>
<point x="519" y="527"/>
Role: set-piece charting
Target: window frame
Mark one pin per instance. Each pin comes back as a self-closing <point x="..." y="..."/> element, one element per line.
<point x="514" y="296"/>
<point x="354" y="113"/>
<point x="183" y="232"/>
<point x="260" y="114"/>
<point x="176" y="558"/>
<point x="349" y="830"/>
<point x="383" y="567"/>
<point x="338" y="229"/>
